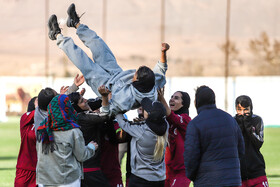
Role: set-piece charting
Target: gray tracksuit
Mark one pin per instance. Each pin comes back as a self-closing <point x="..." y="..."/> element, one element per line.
<point x="142" y="150"/>
<point x="63" y="166"/>
<point x="105" y="70"/>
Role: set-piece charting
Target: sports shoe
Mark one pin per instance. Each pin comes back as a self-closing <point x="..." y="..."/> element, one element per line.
<point x="53" y="27"/>
<point x="73" y="18"/>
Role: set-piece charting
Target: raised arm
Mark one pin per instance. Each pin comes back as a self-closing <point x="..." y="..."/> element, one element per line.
<point x="163" y="101"/>
<point x="164" y="48"/>
<point x="104" y="92"/>
<point x="161" y="67"/>
<point x="78" y="81"/>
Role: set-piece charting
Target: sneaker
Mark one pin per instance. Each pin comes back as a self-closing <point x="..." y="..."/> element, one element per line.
<point x="73" y="18"/>
<point x="53" y="27"/>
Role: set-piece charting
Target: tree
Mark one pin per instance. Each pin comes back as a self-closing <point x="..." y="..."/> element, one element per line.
<point x="233" y="52"/>
<point x="264" y="49"/>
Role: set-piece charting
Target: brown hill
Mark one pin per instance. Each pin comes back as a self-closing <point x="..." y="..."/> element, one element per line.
<point x="194" y="30"/>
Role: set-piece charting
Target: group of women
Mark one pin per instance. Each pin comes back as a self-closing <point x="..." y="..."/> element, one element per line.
<point x="73" y="136"/>
<point x="77" y="144"/>
<point x="66" y="141"/>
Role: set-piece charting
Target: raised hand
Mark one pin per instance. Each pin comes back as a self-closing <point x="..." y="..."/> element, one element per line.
<point x="79" y="80"/>
<point x="160" y="94"/>
<point x="164" y="47"/>
<point x="63" y="89"/>
<point x="163" y="101"/>
<point x="103" y="90"/>
<point x="83" y="91"/>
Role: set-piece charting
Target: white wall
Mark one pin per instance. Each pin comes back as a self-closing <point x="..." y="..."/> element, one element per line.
<point x="264" y="92"/>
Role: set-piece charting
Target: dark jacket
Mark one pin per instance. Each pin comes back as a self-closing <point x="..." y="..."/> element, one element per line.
<point x="91" y="124"/>
<point x="252" y="164"/>
<point x="213" y="146"/>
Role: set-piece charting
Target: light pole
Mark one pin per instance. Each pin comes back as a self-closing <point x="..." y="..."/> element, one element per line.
<point x="162" y="22"/>
<point x="46" y="40"/>
<point x="227" y="53"/>
<point x="104" y="20"/>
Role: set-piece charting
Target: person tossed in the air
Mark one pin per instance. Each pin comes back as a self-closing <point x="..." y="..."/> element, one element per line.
<point x="128" y="87"/>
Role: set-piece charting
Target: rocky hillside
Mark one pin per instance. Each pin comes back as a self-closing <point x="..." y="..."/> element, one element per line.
<point x="194" y="29"/>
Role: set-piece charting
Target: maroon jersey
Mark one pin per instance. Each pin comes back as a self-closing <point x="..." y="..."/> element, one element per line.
<point x="110" y="165"/>
<point x="174" y="152"/>
<point x="27" y="157"/>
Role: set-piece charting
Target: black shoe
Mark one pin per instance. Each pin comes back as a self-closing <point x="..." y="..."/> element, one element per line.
<point x="53" y="27"/>
<point x="73" y="18"/>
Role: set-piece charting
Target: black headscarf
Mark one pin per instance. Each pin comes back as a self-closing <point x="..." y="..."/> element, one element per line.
<point x="74" y="99"/>
<point x="244" y="101"/>
<point x="31" y="104"/>
<point x="93" y="103"/>
<point x="146" y="79"/>
<point x="156" y="118"/>
<point x="185" y="102"/>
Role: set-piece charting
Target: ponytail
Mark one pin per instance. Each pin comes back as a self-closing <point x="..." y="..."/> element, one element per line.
<point x="160" y="145"/>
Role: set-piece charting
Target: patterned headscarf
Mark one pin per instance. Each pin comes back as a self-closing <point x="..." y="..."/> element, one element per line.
<point x="61" y="117"/>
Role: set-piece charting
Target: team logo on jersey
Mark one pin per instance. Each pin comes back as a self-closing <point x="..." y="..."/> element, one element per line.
<point x="175" y="131"/>
<point x="181" y="118"/>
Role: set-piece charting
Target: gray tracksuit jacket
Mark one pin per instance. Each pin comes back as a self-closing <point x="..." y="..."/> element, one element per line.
<point x="142" y="150"/>
<point x="63" y="166"/>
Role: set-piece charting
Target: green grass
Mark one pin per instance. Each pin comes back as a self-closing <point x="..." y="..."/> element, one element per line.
<point x="10" y="142"/>
<point x="271" y="153"/>
<point x="9" y="145"/>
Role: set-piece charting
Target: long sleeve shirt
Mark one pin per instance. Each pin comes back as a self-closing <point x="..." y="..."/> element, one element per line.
<point x="174" y="151"/>
<point x="142" y="151"/>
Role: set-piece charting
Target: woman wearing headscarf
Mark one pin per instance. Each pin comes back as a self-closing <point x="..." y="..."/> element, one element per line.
<point x="252" y="164"/>
<point x="178" y="119"/>
<point x="61" y="147"/>
<point x="148" y="143"/>
<point x="92" y="124"/>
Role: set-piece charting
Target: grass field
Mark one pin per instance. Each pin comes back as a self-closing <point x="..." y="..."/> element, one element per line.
<point x="10" y="142"/>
